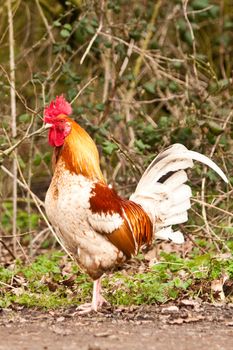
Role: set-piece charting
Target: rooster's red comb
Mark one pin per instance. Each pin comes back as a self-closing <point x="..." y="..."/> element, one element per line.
<point x="57" y="107"/>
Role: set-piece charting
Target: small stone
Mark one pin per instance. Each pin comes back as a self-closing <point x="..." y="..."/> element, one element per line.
<point x="189" y="302"/>
<point x="176" y="321"/>
<point x="170" y="310"/>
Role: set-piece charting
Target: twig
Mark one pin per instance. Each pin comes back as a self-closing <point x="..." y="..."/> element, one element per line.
<point x="141" y="102"/>
<point x="203" y="183"/>
<point x="16" y="92"/>
<point x="126" y="60"/>
<point x="200" y="11"/>
<point x="21" y="184"/>
<point x="192" y="240"/>
<point x="13" y="119"/>
<point x="8" y="249"/>
<point x="96" y="34"/>
<point x="7" y="285"/>
<point x="135" y="166"/>
<point x="106" y="58"/>
<point x="45" y="22"/>
<point x="185" y="3"/>
<point x="9" y="150"/>
<point x="47" y="26"/>
<point x="83" y="88"/>
<point x="35" y="199"/>
<point x="41" y="233"/>
<point x="148" y="37"/>
<point x="38" y="204"/>
<point x="29" y="180"/>
<point x="137" y="68"/>
<point x="203" y="203"/>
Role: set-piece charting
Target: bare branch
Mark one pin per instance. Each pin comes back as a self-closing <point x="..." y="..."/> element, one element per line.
<point x="9" y="150"/>
<point x="13" y="119"/>
<point x="96" y="34"/>
<point x="83" y="88"/>
<point x="185" y="4"/>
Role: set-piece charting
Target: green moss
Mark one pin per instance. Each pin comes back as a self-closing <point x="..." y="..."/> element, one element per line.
<point x="44" y="284"/>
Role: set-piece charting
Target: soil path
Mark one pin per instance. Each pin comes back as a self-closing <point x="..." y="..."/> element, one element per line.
<point x="183" y="327"/>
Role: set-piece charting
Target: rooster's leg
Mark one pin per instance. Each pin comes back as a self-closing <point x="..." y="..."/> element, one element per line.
<point x="97" y="299"/>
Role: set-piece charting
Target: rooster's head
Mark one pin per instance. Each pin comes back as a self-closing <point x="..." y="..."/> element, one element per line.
<point x="55" y="115"/>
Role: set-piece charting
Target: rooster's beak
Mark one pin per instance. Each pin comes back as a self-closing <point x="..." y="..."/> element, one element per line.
<point x="47" y="125"/>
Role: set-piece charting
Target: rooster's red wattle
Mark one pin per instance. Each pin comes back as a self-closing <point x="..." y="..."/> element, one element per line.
<point x="98" y="227"/>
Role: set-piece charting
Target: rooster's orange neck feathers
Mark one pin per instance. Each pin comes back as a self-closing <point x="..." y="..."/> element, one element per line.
<point x="79" y="153"/>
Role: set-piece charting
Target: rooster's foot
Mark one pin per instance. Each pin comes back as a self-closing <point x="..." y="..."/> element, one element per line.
<point x="84" y="309"/>
<point x="90" y="307"/>
<point x="97" y="300"/>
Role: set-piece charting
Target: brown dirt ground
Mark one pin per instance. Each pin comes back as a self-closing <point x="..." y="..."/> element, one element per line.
<point x="185" y="326"/>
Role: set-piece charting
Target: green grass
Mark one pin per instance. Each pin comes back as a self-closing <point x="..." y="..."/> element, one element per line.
<point x="51" y="281"/>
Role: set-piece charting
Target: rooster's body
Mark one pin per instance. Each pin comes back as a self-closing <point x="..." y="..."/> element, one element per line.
<point x="98" y="227"/>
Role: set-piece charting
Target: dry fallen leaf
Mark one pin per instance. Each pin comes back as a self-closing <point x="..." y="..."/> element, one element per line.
<point x="18" y="291"/>
<point x="217" y="286"/>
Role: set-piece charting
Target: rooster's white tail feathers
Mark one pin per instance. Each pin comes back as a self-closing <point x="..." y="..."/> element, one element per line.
<point x="162" y="191"/>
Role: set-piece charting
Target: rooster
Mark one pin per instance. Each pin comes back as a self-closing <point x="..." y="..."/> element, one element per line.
<point x="98" y="227"/>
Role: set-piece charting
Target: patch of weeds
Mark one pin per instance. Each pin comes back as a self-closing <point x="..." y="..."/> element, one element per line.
<point x="49" y="282"/>
<point x="170" y="279"/>
<point x="52" y="281"/>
